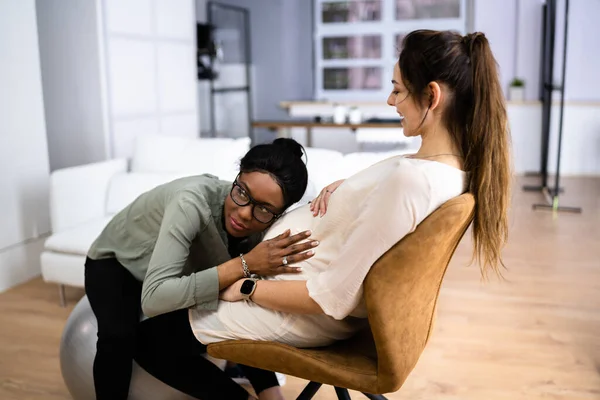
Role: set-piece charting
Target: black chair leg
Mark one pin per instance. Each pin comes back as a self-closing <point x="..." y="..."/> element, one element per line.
<point x="342" y="393"/>
<point x="309" y="391"/>
<point x="375" y="396"/>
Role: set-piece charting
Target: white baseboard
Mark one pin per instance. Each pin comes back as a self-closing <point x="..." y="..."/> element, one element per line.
<point x="20" y="263"/>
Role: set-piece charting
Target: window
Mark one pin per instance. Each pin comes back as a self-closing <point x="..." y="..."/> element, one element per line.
<point x="357" y="41"/>
<point x="344" y="47"/>
<point x="352" y="78"/>
<point x="427" y="9"/>
<point x="350" y="11"/>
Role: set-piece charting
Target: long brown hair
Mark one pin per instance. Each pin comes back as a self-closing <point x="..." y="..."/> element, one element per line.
<point x="475" y="116"/>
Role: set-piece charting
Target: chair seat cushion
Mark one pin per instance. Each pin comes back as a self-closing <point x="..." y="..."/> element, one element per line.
<point x="76" y="240"/>
<point x="349" y="364"/>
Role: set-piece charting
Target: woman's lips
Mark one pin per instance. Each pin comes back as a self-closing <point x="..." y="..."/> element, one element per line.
<point x="236" y="225"/>
<point x="401" y="118"/>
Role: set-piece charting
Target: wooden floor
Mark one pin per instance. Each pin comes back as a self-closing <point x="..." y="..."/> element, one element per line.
<point x="534" y="336"/>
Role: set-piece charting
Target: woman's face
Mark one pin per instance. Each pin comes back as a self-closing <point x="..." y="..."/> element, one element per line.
<point x="264" y="191"/>
<point x="412" y="115"/>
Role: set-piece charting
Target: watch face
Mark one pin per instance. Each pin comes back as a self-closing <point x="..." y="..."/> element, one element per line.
<point x="247" y="287"/>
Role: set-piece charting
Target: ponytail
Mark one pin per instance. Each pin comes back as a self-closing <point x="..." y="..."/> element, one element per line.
<point x="487" y="157"/>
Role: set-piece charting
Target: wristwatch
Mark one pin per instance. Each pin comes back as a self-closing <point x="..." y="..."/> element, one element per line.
<point x="247" y="289"/>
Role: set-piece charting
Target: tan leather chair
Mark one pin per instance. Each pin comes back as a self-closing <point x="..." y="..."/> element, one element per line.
<point x="400" y="291"/>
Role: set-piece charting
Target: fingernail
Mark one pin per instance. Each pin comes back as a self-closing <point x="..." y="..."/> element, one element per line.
<point x="308" y="233"/>
<point x="310" y="252"/>
<point x="299" y="269"/>
<point x="315" y="243"/>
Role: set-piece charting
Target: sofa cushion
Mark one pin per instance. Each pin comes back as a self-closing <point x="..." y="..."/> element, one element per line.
<point x="215" y="156"/>
<point x="65" y="269"/>
<point x="322" y="166"/>
<point x="167" y="154"/>
<point x="76" y="240"/>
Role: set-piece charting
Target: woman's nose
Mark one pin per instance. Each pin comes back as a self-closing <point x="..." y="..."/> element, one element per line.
<point x="246" y="212"/>
<point x="390" y="101"/>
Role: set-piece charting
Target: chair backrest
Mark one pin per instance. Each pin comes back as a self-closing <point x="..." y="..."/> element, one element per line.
<point x="402" y="288"/>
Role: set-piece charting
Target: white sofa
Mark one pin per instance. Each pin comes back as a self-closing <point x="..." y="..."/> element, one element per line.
<point x="84" y="198"/>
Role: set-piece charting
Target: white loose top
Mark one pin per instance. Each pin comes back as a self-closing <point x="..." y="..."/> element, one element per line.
<point x="369" y="213"/>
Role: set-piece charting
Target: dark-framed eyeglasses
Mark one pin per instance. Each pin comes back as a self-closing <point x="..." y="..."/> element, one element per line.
<point x="259" y="211"/>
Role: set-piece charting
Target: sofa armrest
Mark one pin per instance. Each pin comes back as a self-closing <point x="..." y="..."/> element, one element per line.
<point x="78" y="194"/>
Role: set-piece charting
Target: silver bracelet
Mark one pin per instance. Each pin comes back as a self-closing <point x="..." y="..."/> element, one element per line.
<point x="247" y="273"/>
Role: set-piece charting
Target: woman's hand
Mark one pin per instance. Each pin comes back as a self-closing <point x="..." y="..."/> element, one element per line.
<point x="319" y="204"/>
<point x="232" y="293"/>
<point x="272" y="257"/>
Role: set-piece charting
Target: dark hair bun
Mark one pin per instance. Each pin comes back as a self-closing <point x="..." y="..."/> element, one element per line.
<point x="290" y="145"/>
<point x="282" y="159"/>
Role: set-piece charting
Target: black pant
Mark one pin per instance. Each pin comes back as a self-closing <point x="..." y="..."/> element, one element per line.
<point x="114" y="295"/>
<point x="180" y="363"/>
<point x="165" y="345"/>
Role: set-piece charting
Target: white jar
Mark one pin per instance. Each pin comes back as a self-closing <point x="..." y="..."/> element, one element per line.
<point x="355" y="116"/>
<point x="339" y="114"/>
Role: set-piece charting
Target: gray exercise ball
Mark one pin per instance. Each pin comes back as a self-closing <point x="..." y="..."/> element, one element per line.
<point x="77" y="351"/>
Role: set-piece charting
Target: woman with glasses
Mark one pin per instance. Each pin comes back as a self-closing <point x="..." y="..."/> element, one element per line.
<point x="446" y="89"/>
<point x="178" y="245"/>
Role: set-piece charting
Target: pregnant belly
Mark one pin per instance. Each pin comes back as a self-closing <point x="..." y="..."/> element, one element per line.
<point x="298" y="220"/>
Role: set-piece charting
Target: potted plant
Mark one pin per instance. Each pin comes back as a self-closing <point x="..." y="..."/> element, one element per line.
<point x="517" y="90"/>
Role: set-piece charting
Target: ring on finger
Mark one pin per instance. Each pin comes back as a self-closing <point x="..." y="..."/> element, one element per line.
<point x="285" y="261"/>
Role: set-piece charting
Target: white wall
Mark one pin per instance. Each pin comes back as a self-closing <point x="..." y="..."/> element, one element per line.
<point x="498" y="20"/>
<point x="151" y="69"/>
<point x="528" y="53"/>
<point x="71" y="77"/>
<point x="24" y="167"/>
<point x="113" y="70"/>
<point x="583" y="56"/>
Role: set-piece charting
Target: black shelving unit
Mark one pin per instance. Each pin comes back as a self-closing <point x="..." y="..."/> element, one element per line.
<point x="220" y="17"/>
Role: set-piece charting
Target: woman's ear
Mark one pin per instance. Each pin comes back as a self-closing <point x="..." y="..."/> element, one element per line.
<point x="435" y="95"/>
